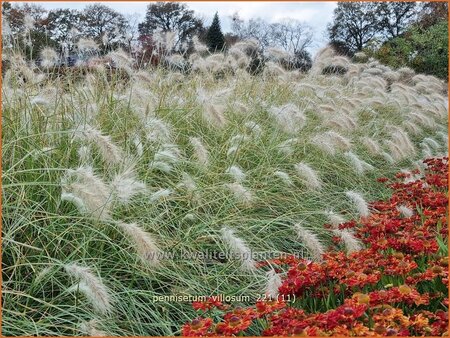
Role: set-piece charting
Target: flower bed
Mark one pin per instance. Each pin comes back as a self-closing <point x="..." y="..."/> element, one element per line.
<point x="397" y="285"/>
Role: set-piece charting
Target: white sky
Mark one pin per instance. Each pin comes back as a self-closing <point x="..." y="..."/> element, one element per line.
<point x="316" y="14"/>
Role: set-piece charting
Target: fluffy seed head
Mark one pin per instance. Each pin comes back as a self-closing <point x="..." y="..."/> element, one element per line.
<point x="200" y="151"/>
<point x="88" y="191"/>
<point x="334" y="219"/>
<point x="49" y="57"/>
<point x="89" y="328"/>
<point x="311" y="241"/>
<point x="273" y="284"/>
<point x="160" y="195"/>
<point x="289" y="118"/>
<point x="352" y="244"/>
<point x="236" y="172"/>
<point x="405" y="211"/>
<point x="284" y="177"/>
<point x="91" y="286"/>
<point x="125" y="185"/>
<point x="213" y="114"/>
<point x="143" y="242"/>
<point x="253" y="127"/>
<point x="308" y="175"/>
<point x="157" y="130"/>
<point x="110" y="152"/>
<point x="359" y="202"/>
<point x="87" y="44"/>
<point x="358" y="165"/>
<point x="239" y="248"/>
<point x="241" y="194"/>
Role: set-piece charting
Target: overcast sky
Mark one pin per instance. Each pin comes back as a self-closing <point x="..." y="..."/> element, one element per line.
<point x="316" y="14"/>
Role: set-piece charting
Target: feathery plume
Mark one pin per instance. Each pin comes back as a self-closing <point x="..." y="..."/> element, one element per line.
<point x="160" y="194"/>
<point x="89" y="328"/>
<point x="138" y="145"/>
<point x="405" y="211"/>
<point x="359" y="202"/>
<point x="86" y="44"/>
<point x="338" y="140"/>
<point x="69" y="197"/>
<point x="232" y="150"/>
<point x="189" y="184"/>
<point x="39" y="101"/>
<point x="253" y="127"/>
<point x="324" y="144"/>
<point x="238" y="139"/>
<point x="273" y="284"/>
<point x="200" y="151"/>
<point x="125" y="185"/>
<point x="239" y="248"/>
<point x="91" y="286"/>
<point x="286" y="146"/>
<point x="84" y="154"/>
<point x="334" y="219"/>
<point x="213" y="114"/>
<point x="49" y="57"/>
<point x="168" y="153"/>
<point x="308" y="175"/>
<point x="311" y="241"/>
<point x="388" y="157"/>
<point x="120" y="59"/>
<point x="241" y="194"/>
<point x="431" y="142"/>
<point x="161" y="166"/>
<point x="143" y="242"/>
<point x="236" y="172"/>
<point x="372" y="146"/>
<point x="110" y="152"/>
<point x="88" y="191"/>
<point x="358" y="165"/>
<point x="284" y="177"/>
<point x="352" y="244"/>
<point x="401" y="138"/>
<point x="289" y="118"/>
<point x="157" y="130"/>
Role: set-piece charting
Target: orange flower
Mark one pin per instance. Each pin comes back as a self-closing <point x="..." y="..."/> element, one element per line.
<point x="198" y="327"/>
<point x="361" y="298"/>
<point x="233" y="325"/>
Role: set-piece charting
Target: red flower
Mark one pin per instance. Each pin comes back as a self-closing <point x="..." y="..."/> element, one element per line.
<point x="208" y="304"/>
<point x="233" y="324"/>
<point x="263" y="308"/>
<point x="198" y="327"/>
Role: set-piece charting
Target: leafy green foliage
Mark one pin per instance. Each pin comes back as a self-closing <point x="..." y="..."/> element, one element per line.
<point x="424" y="50"/>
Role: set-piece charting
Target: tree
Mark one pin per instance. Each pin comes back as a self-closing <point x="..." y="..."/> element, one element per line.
<point x="395" y="17"/>
<point x="214" y="37"/>
<point x="291" y="35"/>
<point x="170" y="17"/>
<point x="104" y="25"/>
<point x="256" y="29"/>
<point x="61" y="23"/>
<point x="23" y="18"/>
<point x="424" y="50"/>
<point x="302" y="60"/>
<point x="432" y="13"/>
<point x="131" y="31"/>
<point x="354" y="25"/>
<point x="26" y="28"/>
